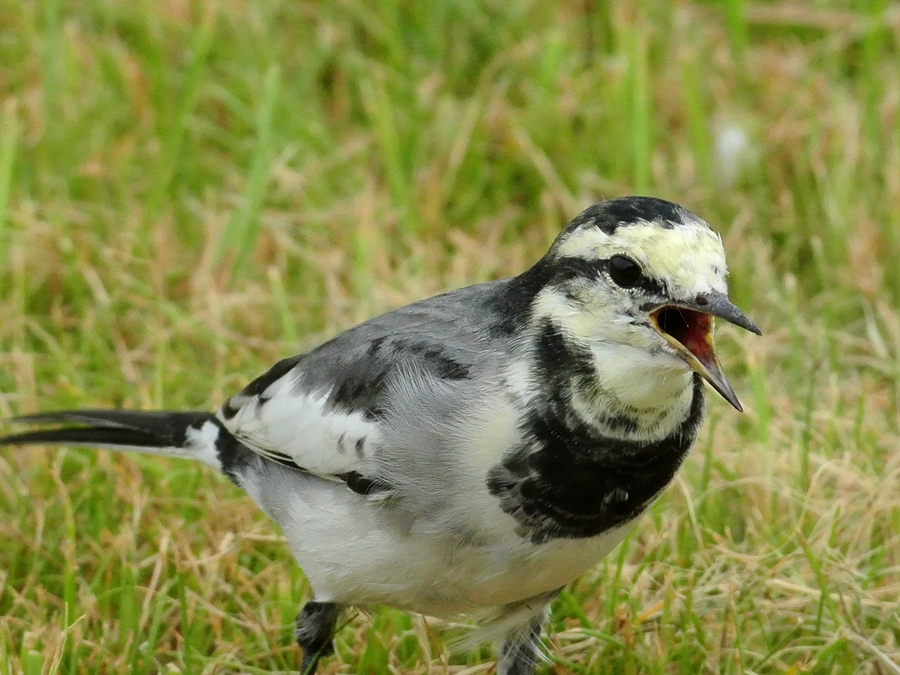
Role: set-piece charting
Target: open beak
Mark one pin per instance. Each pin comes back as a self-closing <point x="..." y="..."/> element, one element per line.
<point x="687" y="326"/>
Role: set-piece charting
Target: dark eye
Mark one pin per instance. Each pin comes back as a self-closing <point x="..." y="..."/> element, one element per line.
<point x="624" y="271"/>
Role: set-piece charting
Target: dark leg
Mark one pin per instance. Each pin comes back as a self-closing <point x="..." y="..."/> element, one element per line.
<point x="519" y="650"/>
<point x="316" y="624"/>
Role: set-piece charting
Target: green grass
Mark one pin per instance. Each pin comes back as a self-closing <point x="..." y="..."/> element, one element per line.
<point x="189" y="191"/>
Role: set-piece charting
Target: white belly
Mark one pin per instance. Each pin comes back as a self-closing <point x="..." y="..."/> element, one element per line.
<point x="352" y="555"/>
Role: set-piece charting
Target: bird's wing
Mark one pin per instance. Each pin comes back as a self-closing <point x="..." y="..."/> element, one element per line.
<point x="325" y="411"/>
<point x="300" y="427"/>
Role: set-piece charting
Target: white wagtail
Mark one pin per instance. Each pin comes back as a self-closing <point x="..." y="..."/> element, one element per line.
<point x="472" y="453"/>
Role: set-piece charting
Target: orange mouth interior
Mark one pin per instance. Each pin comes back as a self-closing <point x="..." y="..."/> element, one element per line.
<point x="689" y="328"/>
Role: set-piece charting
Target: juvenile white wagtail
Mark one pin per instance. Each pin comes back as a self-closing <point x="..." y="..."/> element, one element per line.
<point x="472" y="453"/>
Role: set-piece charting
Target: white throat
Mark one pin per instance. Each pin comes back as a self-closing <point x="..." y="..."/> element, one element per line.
<point x="654" y="391"/>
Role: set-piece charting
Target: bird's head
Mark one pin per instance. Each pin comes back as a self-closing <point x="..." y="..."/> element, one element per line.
<point x="647" y="277"/>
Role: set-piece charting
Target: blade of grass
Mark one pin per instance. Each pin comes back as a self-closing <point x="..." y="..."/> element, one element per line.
<point x="736" y="26"/>
<point x="288" y="321"/>
<point x="187" y="628"/>
<point x="380" y="106"/>
<point x="698" y="120"/>
<point x="639" y="105"/>
<point x="239" y="236"/>
<point x="174" y="130"/>
<point x="9" y="139"/>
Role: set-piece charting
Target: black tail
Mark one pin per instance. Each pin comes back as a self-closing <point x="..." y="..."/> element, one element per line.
<point x="193" y="435"/>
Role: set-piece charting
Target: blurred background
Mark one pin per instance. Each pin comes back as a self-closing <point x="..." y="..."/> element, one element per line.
<point x="191" y="190"/>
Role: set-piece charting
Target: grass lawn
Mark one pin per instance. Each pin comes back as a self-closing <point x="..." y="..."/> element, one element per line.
<point x="191" y="190"/>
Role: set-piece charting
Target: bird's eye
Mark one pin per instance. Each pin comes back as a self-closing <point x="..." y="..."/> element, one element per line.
<point x="624" y="271"/>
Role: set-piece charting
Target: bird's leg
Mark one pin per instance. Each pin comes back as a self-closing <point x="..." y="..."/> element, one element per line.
<point x="519" y="649"/>
<point x="314" y="631"/>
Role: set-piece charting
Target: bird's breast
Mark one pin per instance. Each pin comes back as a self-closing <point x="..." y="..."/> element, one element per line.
<point x="568" y="480"/>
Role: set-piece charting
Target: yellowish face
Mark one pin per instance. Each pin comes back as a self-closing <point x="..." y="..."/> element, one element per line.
<point x="687" y="258"/>
<point x="646" y="290"/>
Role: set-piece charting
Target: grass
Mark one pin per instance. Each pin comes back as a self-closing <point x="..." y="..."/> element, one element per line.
<point x="190" y="190"/>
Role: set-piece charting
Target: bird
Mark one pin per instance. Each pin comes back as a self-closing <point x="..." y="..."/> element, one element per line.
<point x="470" y="454"/>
